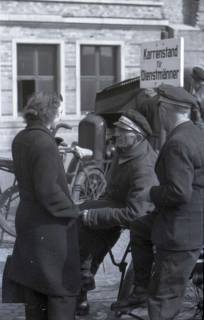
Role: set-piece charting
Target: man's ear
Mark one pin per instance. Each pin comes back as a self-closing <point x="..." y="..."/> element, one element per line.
<point x="138" y="138"/>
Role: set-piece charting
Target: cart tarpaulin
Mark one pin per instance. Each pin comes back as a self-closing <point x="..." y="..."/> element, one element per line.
<point x="118" y="97"/>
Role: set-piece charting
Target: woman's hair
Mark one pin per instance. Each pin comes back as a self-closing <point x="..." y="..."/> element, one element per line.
<point x="42" y="106"/>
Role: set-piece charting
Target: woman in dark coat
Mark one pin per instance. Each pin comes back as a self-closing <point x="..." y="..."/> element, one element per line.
<point x="45" y="259"/>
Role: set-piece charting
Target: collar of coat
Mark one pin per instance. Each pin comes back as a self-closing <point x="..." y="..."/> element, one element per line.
<point x="38" y="125"/>
<point x="172" y="133"/>
<point x="138" y="151"/>
<point x="178" y="128"/>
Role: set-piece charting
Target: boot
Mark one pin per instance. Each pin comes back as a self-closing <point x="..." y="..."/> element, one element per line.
<point x="88" y="281"/>
<point x="82" y="307"/>
<point x="35" y="312"/>
<point x="138" y="298"/>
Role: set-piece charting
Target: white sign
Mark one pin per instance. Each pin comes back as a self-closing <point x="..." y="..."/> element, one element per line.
<point x="162" y="62"/>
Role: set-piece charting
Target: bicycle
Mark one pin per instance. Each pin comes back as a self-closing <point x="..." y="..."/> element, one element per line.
<point x="85" y="181"/>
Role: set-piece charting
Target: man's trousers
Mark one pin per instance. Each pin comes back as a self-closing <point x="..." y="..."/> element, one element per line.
<point x="170" y="276"/>
<point x="94" y="245"/>
<point x="164" y="274"/>
<point x="142" y="250"/>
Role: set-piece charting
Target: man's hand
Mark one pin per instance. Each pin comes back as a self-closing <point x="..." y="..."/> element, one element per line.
<point x="86" y="218"/>
<point x="145" y="195"/>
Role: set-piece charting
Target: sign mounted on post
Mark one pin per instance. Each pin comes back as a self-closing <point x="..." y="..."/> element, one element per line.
<point x="162" y="62"/>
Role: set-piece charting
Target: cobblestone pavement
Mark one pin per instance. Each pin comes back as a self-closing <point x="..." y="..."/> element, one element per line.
<point x="107" y="284"/>
<point x="100" y="300"/>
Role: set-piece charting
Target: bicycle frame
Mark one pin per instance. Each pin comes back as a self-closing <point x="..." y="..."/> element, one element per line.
<point x="86" y="181"/>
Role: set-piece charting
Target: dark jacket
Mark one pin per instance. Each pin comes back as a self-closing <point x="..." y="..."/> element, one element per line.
<point x="179" y="199"/>
<point x="130" y="175"/>
<point x="45" y="256"/>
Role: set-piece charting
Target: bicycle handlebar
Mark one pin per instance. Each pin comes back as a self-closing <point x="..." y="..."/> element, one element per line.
<point x="6" y="165"/>
<point x="59" y="126"/>
<point x="78" y="151"/>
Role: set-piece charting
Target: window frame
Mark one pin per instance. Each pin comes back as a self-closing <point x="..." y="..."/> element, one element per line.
<point x="121" y="61"/>
<point x="60" y="70"/>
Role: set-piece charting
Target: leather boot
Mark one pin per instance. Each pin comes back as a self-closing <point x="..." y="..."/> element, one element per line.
<point x="33" y="312"/>
<point x="138" y="298"/>
<point x="82" y="307"/>
<point x="88" y="281"/>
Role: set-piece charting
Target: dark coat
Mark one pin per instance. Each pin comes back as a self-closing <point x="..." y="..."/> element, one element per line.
<point x="179" y="199"/>
<point x="45" y="256"/>
<point x="129" y="177"/>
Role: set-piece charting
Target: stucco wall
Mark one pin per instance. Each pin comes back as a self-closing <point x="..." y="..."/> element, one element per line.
<point x="70" y="34"/>
<point x="194" y="46"/>
<point x="173" y="10"/>
<point x="140" y="10"/>
<point x="130" y="38"/>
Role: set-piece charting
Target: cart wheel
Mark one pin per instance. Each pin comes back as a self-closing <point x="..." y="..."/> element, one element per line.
<point x="9" y="200"/>
<point x="90" y="184"/>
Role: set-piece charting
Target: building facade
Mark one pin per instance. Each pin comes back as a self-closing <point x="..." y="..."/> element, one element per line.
<point x="78" y="47"/>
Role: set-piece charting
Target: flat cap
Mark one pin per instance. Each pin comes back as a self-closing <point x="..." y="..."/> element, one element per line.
<point x="198" y="72"/>
<point x="176" y="95"/>
<point x="133" y="120"/>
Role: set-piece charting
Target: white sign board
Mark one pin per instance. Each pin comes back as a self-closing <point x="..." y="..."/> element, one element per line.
<point x="162" y="62"/>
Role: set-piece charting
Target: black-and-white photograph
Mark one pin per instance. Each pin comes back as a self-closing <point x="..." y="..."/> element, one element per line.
<point x="101" y="159"/>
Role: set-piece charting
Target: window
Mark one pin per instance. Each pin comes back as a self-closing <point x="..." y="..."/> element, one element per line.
<point x="36" y="70"/>
<point x="190" y="11"/>
<point x="99" y="69"/>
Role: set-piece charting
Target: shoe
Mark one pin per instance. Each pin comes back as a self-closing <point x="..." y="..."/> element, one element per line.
<point x="138" y="298"/>
<point x="88" y="281"/>
<point x="35" y="312"/>
<point x="82" y="307"/>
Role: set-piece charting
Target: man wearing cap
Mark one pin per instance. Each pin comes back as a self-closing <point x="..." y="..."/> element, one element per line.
<point x="197" y="77"/>
<point x="197" y="89"/>
<point x="177" y="230"/>
<point x="132" y="172"/>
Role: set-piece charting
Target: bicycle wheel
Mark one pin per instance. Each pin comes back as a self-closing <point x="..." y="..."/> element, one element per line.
<point x="9" y="200"/>
<point x="90" y="184"/>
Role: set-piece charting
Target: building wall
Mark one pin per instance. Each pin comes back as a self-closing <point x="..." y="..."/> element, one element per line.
<point x="126" y="23"/>
<point x="181" y="11"/>
<point x="200" y="15"/>
<point x="83" y="9"/>
<point x="194" y="46"/>
<point x="173" y="10"/>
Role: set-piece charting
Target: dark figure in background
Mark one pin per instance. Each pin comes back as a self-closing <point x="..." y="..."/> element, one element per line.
<point x="132" y="172"/>
<point x="177" y="225"/>
<point x="197" y="87"/>
<point x="45" y="259"/>
<point x="147" y="105"/>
